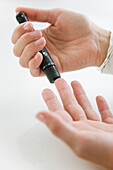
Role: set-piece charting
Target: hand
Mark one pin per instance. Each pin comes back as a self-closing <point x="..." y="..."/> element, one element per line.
<point x="78" y="125"/>
<point x="73" y="41"/>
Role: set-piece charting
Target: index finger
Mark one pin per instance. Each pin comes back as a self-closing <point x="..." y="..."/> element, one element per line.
<point x="20" y="30"/>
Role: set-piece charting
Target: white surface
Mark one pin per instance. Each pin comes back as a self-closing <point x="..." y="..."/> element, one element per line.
<point x="25" y="143"/>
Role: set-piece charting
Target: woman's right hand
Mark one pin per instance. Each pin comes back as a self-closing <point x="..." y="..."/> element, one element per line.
<point x="72" y="40"/>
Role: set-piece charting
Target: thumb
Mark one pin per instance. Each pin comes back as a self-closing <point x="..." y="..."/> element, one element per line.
<point x="41" y="15"/>
<point x="59" y="128"/>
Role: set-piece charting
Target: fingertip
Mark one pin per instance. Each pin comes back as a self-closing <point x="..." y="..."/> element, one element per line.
<point x="40" y="55"/>
<point x="38" y="58"/>
<point x="38" y="115"/>
<point x="34" y="65"/>
<point x="44" y="40"/>
<point x="45" y="92"/>
<point x="100" y="99"/>
<point x="28" y="26"/>
<point x="97" y="98"/>
<point x="40" y="33"/>
<point x="18" y="9"/>
<point x="47" y="115"/>
<point x="58" y="127"/>
<point x="54" y="122"/>
<point x="36" y="61"/>
<point x="102" y="103"/>
<point x="41" y="42"/>
<point x="59" y="81"/>
<point x="42" y="116"/>
<point x="77" y="88"/>
<point x="75" y="83"/>
<point x="43" y="112"/>
<point x="48" y="95"/>
<point x="20" y="30"/>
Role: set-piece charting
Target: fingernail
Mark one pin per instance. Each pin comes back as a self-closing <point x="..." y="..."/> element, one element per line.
<point x="36" y="56"/>
<point x="27" y="26"/>
<point x="36" y="34"/>
<point x="41" y="118"/>
<point x="40" y="41"/>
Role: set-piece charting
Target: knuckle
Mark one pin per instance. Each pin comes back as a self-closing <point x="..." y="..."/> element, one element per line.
<point x="15" y="51"/>
<point x="34" y="74"/>
<point x="22" y="63"/>
<point x="34" y="45"/>
<point x="12" y="39"/>
<point x="27" y="37"/>
<point x="29" y="48"/>
<point x="40" y="33"/>
<point x="58" y="10"/>
<point x="16" y="34"/>
<point x="31" y="65"/>
<point x="49" y="95"/>
<point x="55" y="129"/>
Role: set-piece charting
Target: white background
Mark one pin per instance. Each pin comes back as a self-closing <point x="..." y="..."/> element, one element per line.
<point x="25" y="143"/>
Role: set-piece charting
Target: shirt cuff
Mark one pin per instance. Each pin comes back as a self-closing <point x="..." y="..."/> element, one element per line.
<point x="107" y="65"/>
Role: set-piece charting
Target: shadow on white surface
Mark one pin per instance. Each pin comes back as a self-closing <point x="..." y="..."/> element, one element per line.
<point x="38" y="147"/>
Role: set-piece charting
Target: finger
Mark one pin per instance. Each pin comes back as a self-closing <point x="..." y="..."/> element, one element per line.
<point x="104" y="110"/>
<point x="54" y="105"/>
<point x="69" y="102"/>
<point x="83" y="101"/>
<point x="34" y="65"/>
<point x="51" y="100"/>
<point x="41" y="15"/>
<point x="20" y="30"/>
<point x="59" y="128"/>
<point x="24" y="40"/>
<point x="30" y="51"/>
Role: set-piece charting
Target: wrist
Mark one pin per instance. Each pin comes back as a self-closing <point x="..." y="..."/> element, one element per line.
<point x="104" y="42"/>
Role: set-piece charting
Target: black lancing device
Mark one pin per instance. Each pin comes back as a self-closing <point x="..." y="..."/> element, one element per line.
<point x="47" y="64"/>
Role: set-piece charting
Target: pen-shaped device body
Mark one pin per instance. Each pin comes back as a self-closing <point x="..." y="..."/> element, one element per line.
<point x="47" y="64"/>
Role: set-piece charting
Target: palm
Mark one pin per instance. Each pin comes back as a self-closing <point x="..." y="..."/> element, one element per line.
<point x="69" y="41"/>
<point x="93" y="126"/>
<point x="89" y="126"/>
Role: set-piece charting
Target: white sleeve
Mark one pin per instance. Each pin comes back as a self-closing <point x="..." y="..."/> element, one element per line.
<point x="108" y="69"/>
<point x="107" y="66"/>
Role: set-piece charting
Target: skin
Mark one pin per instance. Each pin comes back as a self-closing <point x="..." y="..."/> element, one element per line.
<point x="77" y="124"/>
<point x="73" y="41"/>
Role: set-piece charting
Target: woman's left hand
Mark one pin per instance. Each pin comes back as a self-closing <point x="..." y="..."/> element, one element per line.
<point x="77" y="124"/>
